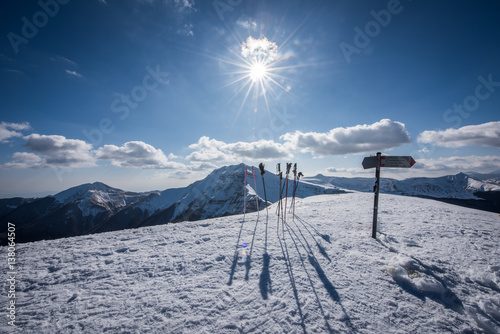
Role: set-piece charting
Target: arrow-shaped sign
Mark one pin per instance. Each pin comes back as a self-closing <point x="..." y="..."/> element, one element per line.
<point x="369" y="162"/>
<point x="389" y="161"/>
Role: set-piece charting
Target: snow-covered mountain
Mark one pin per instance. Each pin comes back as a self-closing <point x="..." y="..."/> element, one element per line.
<point x="72" y="212"/>
<point x="459" y="186"/>
<point x="434" y="268"/>
<point x="96" y="207"/>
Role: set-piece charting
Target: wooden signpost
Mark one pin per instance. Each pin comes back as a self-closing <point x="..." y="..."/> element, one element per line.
<point x="377" y="162"/>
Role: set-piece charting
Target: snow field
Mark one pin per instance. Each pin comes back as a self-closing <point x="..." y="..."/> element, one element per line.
<point x="433" y="268"/>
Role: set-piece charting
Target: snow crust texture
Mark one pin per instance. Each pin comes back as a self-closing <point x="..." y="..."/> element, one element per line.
<point x="433" y="269"/>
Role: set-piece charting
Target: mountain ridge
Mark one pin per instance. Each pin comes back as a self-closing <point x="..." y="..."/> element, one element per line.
<point x="97" y="207"/>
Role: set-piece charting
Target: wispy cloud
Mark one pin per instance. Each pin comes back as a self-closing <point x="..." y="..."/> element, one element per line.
<point x="187" y="30"/>
<point x="57" y="58"/>
<point x="136" y="154"/>
<point x="487" y="134"/>
<point x="182" y="6"/>
<point x="378" y="136"/>
<point x="11" y="130"/>
<point x="185" y="5"/>
<point x="247" y="23"/>
<point x="73" y="73"/>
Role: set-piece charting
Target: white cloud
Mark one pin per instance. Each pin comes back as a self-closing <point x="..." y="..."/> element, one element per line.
<point x="487" y="134"/>
<point x="25" y="160"/>
<point x="52" y="151"/>
<point x="11" y="130"/>
<point x="378" y="136"/>
<point x="455" y="164"/>
<point x="135" y="154"/>
<point x="208" y="155"/>
<point x="424" y="150"/>
<point x="344" y="170"/>
<point x="211" y="150"/>
<point x="259" y="49"/>
<point x="262" y="149"/>
<point x="60" y="151"/>
<point x="196" y="167"/>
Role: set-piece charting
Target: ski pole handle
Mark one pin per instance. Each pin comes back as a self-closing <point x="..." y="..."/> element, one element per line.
<point x="261" y="166"/>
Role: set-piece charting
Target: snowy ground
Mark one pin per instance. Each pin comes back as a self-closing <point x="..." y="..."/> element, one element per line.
<point x="434" y="269"/>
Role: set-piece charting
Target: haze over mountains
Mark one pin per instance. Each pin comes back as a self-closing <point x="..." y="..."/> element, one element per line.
<point x="96" y="207"/>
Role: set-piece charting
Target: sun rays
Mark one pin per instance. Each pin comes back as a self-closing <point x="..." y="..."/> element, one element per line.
<point x="258" y="78"/>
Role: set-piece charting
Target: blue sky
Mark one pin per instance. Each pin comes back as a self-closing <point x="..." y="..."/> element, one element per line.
<point x="150" y="94"/>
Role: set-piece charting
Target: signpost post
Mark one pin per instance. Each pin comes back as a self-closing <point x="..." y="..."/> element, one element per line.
<point x="377" y="162"/>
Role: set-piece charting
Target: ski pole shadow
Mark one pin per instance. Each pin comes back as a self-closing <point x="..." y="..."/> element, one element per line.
<point x="327" y="324"/>
<point x="330" y="289"/>
<point x="265" y="277"/>
<point x="325" y="237"/>
<point x="248" y="262"/>
<point x="286" y="256"/>
<point x="235" y="256"/>
<point x="332" y="292"/>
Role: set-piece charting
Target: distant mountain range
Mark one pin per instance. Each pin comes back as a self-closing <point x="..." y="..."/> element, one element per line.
<point x="480" y="191"/>
<point x="96" y="207"/>
<point x="459" y="186"/>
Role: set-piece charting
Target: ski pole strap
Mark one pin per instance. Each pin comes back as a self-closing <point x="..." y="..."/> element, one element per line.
<point x="255" y="186"/>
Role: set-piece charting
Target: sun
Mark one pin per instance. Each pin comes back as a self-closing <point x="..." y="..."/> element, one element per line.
<point x="259" y="74"/>
<point x="258" y="71"/>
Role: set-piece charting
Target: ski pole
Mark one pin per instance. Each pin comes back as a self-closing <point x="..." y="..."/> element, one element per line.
<point x="288" y="166"/>
<point x="296" y="186"/>
<point x="278" y="207"/>
<point x="256" y="197"/>
<point x="245" y="192"/>
<point x="262" y="171"/>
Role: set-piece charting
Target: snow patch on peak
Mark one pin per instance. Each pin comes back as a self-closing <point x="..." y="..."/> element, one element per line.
<point x="80" y="191"/>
